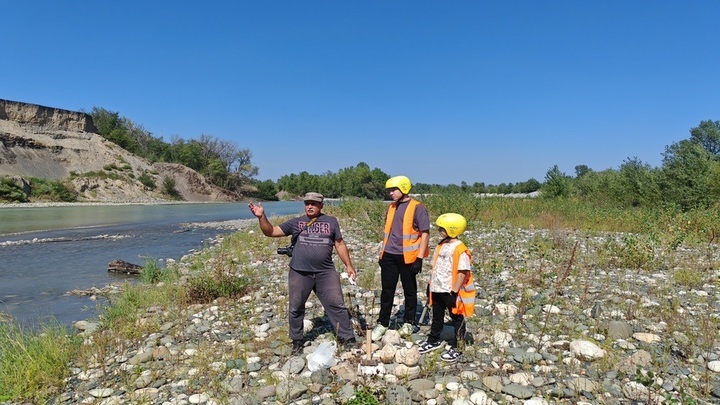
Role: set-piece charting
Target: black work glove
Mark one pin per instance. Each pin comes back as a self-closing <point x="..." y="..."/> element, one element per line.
<point x="417" y="266"/>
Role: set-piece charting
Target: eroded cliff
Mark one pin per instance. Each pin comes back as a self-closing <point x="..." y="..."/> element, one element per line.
<point x="57" y="144"/>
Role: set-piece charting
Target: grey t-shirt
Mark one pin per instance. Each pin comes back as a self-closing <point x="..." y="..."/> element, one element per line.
<point x="314" y="247"/>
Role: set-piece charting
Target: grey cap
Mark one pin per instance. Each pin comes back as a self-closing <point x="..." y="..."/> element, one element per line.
<point x="317" y="197"/>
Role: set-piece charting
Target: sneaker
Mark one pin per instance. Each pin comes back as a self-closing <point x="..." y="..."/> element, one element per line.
<point x="406" y="329"/>
<point x="450" y="355"/>
<point x="424" y="347"/>
<point x="297" y="347"/>
<point x="378" y="332"/>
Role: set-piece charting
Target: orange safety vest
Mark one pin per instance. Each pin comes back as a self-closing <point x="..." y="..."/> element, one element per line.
<point x="411" y="236"/>
<point x="465" y="304"/>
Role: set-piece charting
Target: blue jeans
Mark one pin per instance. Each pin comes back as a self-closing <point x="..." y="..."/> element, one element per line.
<point x="326" y="285"/>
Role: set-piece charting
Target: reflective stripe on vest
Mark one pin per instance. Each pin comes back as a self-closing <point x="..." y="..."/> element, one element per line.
<point x="411" y="237"/>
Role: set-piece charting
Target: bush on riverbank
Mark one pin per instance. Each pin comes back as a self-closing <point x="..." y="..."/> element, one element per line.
<point x="11" y="190"/>
<point x="653" y="239"/>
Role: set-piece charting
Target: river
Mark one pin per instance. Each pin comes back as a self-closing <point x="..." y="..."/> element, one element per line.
<point x="45" y="252"/>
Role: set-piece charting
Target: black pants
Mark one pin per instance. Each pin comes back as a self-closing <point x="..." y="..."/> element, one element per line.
<point x="392" y="268"/>
<point x="445" y="302"/>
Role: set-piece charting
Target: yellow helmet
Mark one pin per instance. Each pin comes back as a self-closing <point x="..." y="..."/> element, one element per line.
<point x="454" y="224"/>
<point x="401" y="182"/>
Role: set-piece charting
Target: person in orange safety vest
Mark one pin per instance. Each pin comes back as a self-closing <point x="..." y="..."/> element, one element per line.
<point x="405" y="245"/>
<point x="451" y="286"/>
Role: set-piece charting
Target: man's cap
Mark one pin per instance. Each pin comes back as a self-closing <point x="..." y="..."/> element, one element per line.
<point x="317" y="197"/>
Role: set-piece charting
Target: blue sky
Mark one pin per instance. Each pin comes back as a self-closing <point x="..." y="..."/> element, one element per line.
<point x="440" y="91"/>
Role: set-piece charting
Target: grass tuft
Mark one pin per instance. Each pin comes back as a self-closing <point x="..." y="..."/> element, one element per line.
<point x="34" y="364"/>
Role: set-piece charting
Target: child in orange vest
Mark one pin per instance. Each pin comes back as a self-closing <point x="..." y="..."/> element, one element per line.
<point x="451" y="286"/>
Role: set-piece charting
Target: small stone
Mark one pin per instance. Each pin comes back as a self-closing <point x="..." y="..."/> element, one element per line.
<point x="647" y="337"/>
<point x="585" y="350"/>
<point x="198" y="398"/>
<point x="101" y="392"/>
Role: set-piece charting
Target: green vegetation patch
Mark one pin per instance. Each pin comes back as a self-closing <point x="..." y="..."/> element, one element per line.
<point x="33" y="365"/>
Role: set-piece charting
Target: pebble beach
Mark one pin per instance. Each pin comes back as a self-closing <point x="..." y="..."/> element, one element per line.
<point x="558" y="320"/>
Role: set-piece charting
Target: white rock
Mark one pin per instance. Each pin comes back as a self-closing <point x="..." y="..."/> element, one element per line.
<point x="714" y="366"/>
<point x="647" y="337"/>
<point x="409" y="357"/>
<point x="481" y="398"/>
<point x="521" y="378"/>
<point x="387" y="354"/>
<point x="101" y="392"/>
<point x="585" y="350"/>
<point x="198" y="398"/>
<point x="452" y="386"/>
<point x="638" y="392"/>
<point x="307" y="325"/>
<point x="502" y="339"/>
<point x="403" y="371"/>
<point x="508" y="310"/>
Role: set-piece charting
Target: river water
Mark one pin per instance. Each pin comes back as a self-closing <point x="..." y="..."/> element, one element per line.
<point x="46" y="252"/>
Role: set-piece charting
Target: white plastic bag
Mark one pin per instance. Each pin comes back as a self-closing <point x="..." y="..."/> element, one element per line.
<point x="322" y="357"/>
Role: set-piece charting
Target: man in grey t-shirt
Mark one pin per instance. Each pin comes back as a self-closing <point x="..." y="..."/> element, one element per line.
<point x="312" y="268"/>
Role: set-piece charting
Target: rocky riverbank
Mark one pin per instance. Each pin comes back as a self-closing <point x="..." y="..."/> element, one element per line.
<point x="560" y="318"/>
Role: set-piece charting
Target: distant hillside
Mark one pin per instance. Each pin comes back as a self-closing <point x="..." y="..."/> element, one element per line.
<point x="56" y="144"/>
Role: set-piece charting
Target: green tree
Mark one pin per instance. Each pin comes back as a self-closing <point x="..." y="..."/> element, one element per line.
<point x="216" y="172"/>
<point x="604" y="186"/>
<point x="581" y="170"/>
<point x="479" y="187"/>
<point x="639" y="184"/>
<point x="707" y="134"/>
<point x="528" y="186"/>
<point x="266" y="190"/>
<point x="557" y="184"/>
<point x="105" y="121"/>
<point x="688" y="175"/>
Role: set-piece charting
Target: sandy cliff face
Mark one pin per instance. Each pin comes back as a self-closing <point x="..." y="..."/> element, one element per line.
<point x="51" y="118"/>
<point x="37" y="141"/>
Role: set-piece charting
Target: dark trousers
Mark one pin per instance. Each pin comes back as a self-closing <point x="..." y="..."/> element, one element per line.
<point x="392" y="268"/>
<point x="326" y="285"/>
<point x="445" y="302"/>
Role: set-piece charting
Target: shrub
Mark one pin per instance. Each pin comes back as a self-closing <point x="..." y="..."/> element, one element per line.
<point x="52" y="190"/>
<point x="10" y="191"/>
<point x="152" y="273"/>
<point x="147" y="181"/>
<point x="212" y="285"/>
<point x="169" y="187"/>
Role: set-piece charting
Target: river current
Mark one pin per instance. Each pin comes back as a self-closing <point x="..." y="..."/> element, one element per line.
<point x="46" y="252"/>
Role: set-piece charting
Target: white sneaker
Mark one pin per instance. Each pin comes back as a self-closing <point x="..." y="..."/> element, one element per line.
<point x="378" y="332"/>
<point x="406" y="329"/>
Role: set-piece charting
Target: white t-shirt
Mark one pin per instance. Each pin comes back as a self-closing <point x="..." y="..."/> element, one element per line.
<point x="441" y="280"/>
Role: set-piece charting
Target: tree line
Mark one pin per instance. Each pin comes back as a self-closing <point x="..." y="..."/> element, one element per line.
<point x="222" y="162"/>
<point x="688" y="178"/>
